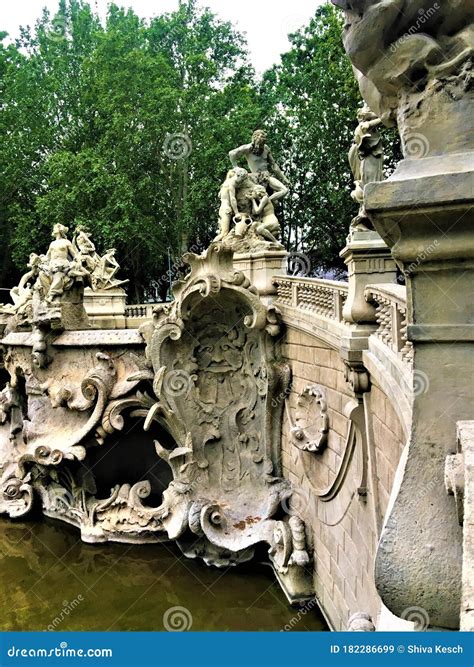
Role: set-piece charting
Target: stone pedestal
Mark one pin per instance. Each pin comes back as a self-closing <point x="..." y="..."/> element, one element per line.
<point x="422" y="212"/>
<point x="106" y="308"/>
<point x="369" y="262"/>
<point x="260" y="267"/>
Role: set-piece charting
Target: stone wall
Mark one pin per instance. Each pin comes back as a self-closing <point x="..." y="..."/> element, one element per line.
<point x="389" y="441"/>
<point x="344" y="524"/>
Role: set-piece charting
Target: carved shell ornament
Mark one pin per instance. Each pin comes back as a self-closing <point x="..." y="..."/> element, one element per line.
<point x="309" y="431"/>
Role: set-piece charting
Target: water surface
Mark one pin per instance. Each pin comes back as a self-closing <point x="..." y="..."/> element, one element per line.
<point x="50" y="579"/>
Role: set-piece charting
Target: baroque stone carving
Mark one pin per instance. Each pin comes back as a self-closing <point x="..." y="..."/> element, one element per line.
<point x="50" y="295"/>
<point x="121" y="517"/>
<point x="335" y="497"/>
<point x="102" y="271"/>
<point x="262" y="164"/>
<point x="414" y="66"/>
<point x="247" y="198"/>
<point x="48" y="415"/>
<point x="310" y="429"/>
<point x="214" y="377"/>
<point x="357" y="377"/>
<point x="205" y="394"/>
<point x="366" y="162"/>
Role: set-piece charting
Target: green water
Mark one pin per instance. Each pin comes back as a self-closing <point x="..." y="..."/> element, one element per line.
<point x="47" y="573"/>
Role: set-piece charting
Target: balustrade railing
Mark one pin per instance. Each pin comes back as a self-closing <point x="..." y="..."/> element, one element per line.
<point x="391" y="314"/>
<point x="140" y="310"/>
<point x="323" y="297"/>
<point x="326" y="298"/>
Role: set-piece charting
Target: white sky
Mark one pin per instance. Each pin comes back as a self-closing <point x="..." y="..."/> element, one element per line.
<point x="266" y="22"/>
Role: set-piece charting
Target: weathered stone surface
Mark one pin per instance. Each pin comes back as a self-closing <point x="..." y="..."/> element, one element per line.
<point x="247" y="199"/>
<point x="50" y="296"/>
<point x="368" y="261"/>
<point x="413" y="65"/>
<point x="462" y="488"/>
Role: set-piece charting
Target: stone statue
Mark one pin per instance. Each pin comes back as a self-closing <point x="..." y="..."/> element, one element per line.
<point x="39" y="300"/>
<point x="86" y="251"/>
<point x="229" y="208"/>
<point x="366" y="161"/>
<point x="22" y="294"/>
<point x="60" y="264"/>
<point x="247" y="198"/>
<point x="101" y="271"/>
<point x="262" y="164"/>
<point x="266" y="224"/>
<point x="107" y="269"/>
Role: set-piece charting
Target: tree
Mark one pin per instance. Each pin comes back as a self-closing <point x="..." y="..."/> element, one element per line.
<point x="124" y="128"/>
<point x="311" y="99"/>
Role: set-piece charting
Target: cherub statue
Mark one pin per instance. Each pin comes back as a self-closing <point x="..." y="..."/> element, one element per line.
<point x="366" y="160"/>
<point x="262" y="165"/>
<point x="229" y="209"/>
<point x="266" y="225"/>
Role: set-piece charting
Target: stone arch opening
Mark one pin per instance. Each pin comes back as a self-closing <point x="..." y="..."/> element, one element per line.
<point x="129" y="456"/>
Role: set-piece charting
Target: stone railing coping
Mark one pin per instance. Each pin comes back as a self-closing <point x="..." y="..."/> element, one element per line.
<point x="391" y="315"/>
<point x="391" y="291"/>
<point x="333" y="284"/>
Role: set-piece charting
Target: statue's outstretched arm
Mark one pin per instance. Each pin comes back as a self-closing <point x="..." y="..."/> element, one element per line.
<point x="237" y="153"/>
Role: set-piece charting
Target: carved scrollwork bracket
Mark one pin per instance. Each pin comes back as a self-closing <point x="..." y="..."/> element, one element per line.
<point x="17" y="496"/>
<point x="357" y="377"/>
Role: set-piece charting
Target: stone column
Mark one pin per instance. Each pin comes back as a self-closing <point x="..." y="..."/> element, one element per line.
<point x="423" y="214"/>
<point x="415" y="70"/>
<point x="369" y="262"/>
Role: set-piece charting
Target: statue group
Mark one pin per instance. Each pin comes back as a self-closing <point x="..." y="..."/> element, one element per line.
<point x="66" y="264"/>
<point x="247" y="213"/>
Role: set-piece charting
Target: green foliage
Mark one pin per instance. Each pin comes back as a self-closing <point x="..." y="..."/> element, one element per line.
<point x="89" y="111"/>
<point x="86" y="112"/>
<point x="312" y="100"/>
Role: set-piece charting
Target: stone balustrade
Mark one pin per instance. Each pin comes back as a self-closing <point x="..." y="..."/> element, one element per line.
<point x="391" y="315"/>
<point x="139" y="311"/>
<point x="323" y="297"/>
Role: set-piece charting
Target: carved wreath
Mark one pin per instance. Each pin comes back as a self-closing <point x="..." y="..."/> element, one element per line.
<point x="310" y="429"/>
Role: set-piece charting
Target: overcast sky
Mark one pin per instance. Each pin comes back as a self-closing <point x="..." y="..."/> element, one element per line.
<point x="266" y="22"/>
